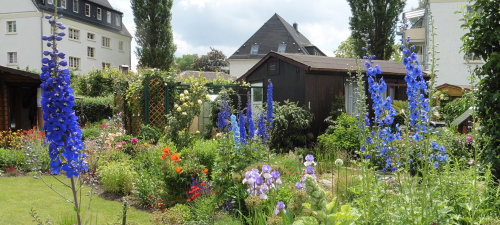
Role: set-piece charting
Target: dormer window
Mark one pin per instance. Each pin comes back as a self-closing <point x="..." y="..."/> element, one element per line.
<point x="254" y="50"/>
<point x="108" y="16"/>
<point x="282" y="47"/>
<point x="87" y="10"/>
<point x="99" y="13"/>
<point x="75" y="6"/>
<point x="117" y="20"/>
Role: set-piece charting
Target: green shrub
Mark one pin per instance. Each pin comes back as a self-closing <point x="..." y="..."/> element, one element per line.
<point x="148" y="176"/>
<point x="93" y="109"/>
<point x="343" y="136"/>
<point x="203" y="150"/>
<point x="117" y="177"/>
<point x="150" y="133"/>
<point x="12" y="158"/>
<point x="203" y="210"/>
<point x="91" y="133"/>
<point x="95" y="83"/>
<point x="179" y="214"/>
<point x="291" y="124"/>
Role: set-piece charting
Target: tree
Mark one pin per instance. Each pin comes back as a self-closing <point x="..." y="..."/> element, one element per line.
<point x="481" y="39"/>
<point x="186" y="61"/>
<point x="212" y="61"/>
<point x="154" y="33"/>
<point x="375" y="19"/>
<point x="346" y="50"/>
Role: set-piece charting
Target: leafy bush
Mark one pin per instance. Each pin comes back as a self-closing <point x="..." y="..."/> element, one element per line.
<point x="12" y="158"/>
<point x="203" y="150"/>
<point x="291" y="124"/>
<point x="147" y="180"/>
<point x="343" y="136"/>
<point x="117" y="177"/>
<point x="91" y="133"/>
<point x="93" y="109"/>
<point x="203" y="210"/>
<point x="455" y="108"/>
<point x="179" y="214"/>
<point x="150" y="133"/>
<point x="95" y="83"/>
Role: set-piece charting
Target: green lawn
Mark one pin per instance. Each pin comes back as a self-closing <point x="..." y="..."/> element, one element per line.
<point x="19" y="194"/>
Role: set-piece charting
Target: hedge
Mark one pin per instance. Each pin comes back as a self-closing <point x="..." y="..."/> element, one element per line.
<point x="93" y="109"/>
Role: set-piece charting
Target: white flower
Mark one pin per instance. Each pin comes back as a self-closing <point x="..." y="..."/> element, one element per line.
<point x="184" y="113"/>
<point x="199" y="101"/>
<point x="181" y="95"/>
<point x="179" y="109"/>
<point x="186" y="92"/>
<point x="339" y="162"/>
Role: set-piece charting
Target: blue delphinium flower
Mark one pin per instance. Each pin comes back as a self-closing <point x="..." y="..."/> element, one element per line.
<point x="243" y="132"/>
<point x="250" y="123"/>
<point x="269" y="115"/>
<point x="262" y="130"/>
<point x="61" y="124"/>
<point x="236" y="132"/>
<point x="223" y="115"/>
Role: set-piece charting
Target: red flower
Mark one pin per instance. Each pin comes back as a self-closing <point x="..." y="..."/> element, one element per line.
<point x="202" y="184"/>
<point x="163" y="210"/>
<point x="290" y="168"/>
<point x="189" y="200"/>
<point x="149" y="196"/>
<point x="178" y="170"/>
<point x="205" y="170"/>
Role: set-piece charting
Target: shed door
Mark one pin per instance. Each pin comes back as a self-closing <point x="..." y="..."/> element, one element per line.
<point x="257" y="97"/>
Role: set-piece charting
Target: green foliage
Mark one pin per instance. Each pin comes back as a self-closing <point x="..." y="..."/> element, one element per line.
<point x="343" y="135"/>
<point x="203" y="210"/>
<point x="186" y="61"/>
<point x="212" y="61"/>
<point x="346" y="49"/>
<point x="154" y="33"/>
<point x="147" y="165"/>
<point x="290" y="126"/>
<point x="93" y="109"/>
<point x="455" y="108"/>
<point x="91" y="133"/>
<point x="481" y="40"/>
<point x="179" y="214"/>
<point x="12" y="158"/>
<point x="117" y="177"/>
<point x="205" y="151"/>
<point x="150" y="133"/>
<point x="96" y="83"/>
<point x="377" y="20"/>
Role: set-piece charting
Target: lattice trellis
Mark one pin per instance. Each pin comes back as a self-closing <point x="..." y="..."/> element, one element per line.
<point x="156" y="102"/>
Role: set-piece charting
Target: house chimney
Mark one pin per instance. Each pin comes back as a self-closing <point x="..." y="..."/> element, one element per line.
<point x="296" y="27"/>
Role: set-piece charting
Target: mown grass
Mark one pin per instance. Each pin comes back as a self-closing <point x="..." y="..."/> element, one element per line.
<point x="19" y="194"/>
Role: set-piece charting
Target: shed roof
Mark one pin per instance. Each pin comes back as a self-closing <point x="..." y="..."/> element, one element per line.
<point x="312" y="63"/>
<point x="11" y="75"/>
<point x="460" y="119"/>
<point x="274" y="32"/>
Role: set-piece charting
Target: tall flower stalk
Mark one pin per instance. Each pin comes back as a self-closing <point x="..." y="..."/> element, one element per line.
<point x="61" y="124"/>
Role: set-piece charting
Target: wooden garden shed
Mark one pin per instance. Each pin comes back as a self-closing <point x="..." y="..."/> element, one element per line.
<point x="315" y="82"/>
<point x="18" y="99"/>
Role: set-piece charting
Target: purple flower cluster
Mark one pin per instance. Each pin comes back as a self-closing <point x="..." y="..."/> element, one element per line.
<point x="61" y="124"/>
<point x="440" y="156"/>
<point x="243" y="132"/>
<point x="223" y="114"/>
<point x="383" y="136"/>
<point x="260" y="183"/>
<point x="416" y="91"/>
<point x="310" y="164"/>
<point x="262" y="129"/>
<point x="236" y="132"/>
<point x="280" y="207"/>
<point x="269" y="115"/>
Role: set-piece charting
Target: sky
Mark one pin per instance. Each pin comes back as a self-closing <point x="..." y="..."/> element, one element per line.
<point x="198" y="25"/>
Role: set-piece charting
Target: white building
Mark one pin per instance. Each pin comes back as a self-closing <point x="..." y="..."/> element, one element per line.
<point x="95" y="36"/>
<point x="453" y="66"/>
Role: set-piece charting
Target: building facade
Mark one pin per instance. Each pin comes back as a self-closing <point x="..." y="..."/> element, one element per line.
<point x="95" y="35"/>
<point x="276" y="35"/>
<point x="453" y="65"/>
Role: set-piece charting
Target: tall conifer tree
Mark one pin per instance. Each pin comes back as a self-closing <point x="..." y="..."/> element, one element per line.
<point x="377" y="20"/>
<point x="154" y="33"/>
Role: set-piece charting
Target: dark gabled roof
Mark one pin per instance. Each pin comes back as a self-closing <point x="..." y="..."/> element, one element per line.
<point x="210" y="76"/>
<point x="466" y="87"/>
<point x="314" y="63"/>
<point x="274" y="32"/>
<point x="11" y="75"/>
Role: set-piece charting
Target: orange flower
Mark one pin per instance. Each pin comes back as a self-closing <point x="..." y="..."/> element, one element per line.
<point x="163" y="210"/>
<point x="166" y="151"/>
<point x="178" y="169"/>
<point x="174" y="157"/>
<point x="205" y="171"/>
<point x="160" y="204"/>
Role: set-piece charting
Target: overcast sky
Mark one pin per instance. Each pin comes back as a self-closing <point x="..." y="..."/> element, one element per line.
<point x="226" y="24"/>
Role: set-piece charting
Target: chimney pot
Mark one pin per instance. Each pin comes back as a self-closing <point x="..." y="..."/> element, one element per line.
<point x="296" y="27"/>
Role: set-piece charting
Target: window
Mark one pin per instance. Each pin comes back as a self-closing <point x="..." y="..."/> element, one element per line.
<point x="12" y="57"/>
<point x="91" y="36"/>
<point x="282" y="47"/>
<point x="257" y="95"/>
<point x="106" y="65"/>
<point x="254" y="50"/>
<point x="99" y="14"/>
<point x="117" y="20"/>
<point x="90" y="52"/>
<point x="63" y="4"/>
<point x="106" y="42"/>
<point x="108" y="16"/>
<point x="50" y="2"/>
<point x="73" y="34"/>
<point x="87" y="10"/>
<point x="120" y="45"/>
<point x="472" y="57"/>
<point x="74" y="62"/>
<point x="75" y="6"/>
<point x="351" y="97"/>
<point x="11" y="27"/>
